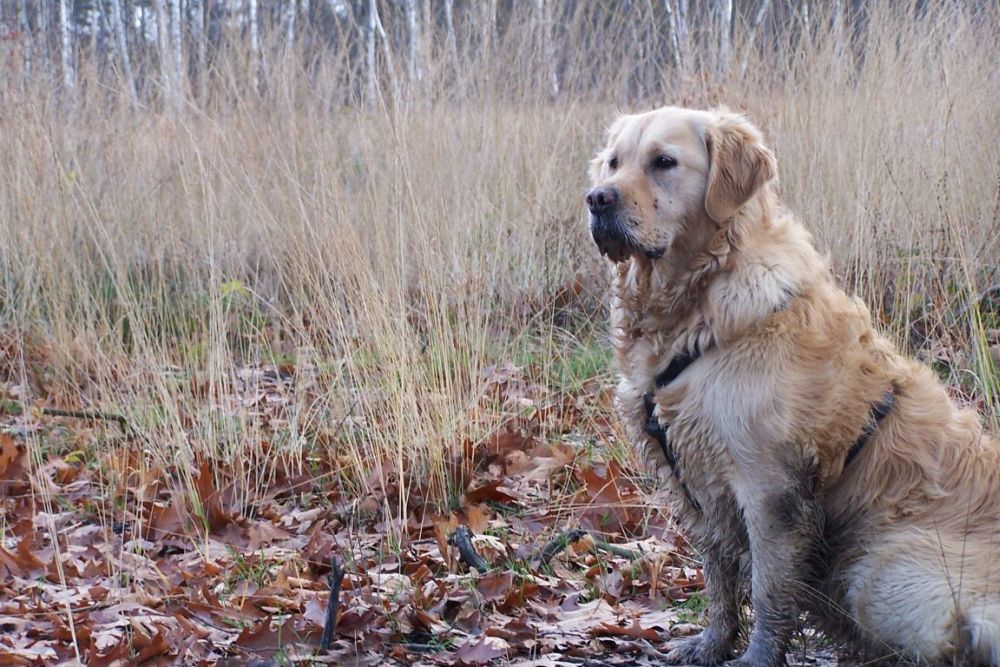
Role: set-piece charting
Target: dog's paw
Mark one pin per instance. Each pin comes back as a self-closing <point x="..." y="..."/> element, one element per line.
<point x="705" y="649"/>
<point x="750" y="660"/>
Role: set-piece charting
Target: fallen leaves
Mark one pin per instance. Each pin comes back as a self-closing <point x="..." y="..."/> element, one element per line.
<point x="482" y="651"/>
<point x="22" y="562"/>
<point x="125" y="563"/>
<point x="12" y="462"/>
<point x="634" y="631"/>
<point x="613" y="504"/>
<point x="491" y="491"/>
<point x="9" y="453"/>
<point x="210" y="506"/>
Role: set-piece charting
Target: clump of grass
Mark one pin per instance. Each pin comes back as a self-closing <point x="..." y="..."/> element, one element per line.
<point x="396" y="249"/>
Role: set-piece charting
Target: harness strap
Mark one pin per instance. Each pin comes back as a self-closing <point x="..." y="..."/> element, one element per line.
<point x="682" y="361"/>
<point x="676" y="366"/>
<point x="878" y="412"/>
<point x="658" y="431"/>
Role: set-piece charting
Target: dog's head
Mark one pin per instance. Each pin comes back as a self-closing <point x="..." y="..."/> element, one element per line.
<point x="668" y="170"/>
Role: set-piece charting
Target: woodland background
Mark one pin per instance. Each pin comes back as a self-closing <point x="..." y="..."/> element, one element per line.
<point x="282" y="282"/>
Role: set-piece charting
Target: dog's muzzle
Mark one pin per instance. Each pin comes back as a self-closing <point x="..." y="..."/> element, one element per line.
<point x="610" y="238"/>
<point x="608" y="230"/>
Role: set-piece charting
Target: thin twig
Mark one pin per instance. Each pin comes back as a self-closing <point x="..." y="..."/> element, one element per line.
<point x="558" y="543"/>
<point x="616" y="550"/>
<point x="462" y="540"/>
<point x="562" y="540"/>
<point x="334" y="579"/>
<point x="92" y="415"/>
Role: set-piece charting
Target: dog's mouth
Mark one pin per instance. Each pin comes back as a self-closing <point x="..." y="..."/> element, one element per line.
<point x="616" y="243"/>
<point x="615" y="249"/>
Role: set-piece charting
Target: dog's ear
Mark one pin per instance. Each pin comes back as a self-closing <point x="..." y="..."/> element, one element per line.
<point x="739" y="165"/>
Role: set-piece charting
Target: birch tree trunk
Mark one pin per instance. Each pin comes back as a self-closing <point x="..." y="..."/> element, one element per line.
<point x="370" y="51"/>
<point x="837" y="19"/>
<point x="489" y="25"/>
<point x="99" y="35"/>
<point x="376" y="22"/>
<point x="544" y="22"/>
<point x="550" y="51"/>
<point x="206" y="25"/>
<point x="428" y="27"/>
<point x="725" y="36"/>
<point x="449" y="22"/>
<point x="112" y="11"/>
<point x="679" y="14"/>
<point x="804" y="16"/>
<point x="758" y="18"/>
<point x="675" y="42"/>
<point x="45" y="49"/>
<point x="289" y="21"/>
<point x="163" y="49"/>
<point x="66" y="47"/>
<point x="176" y="52"/>
<point x="414" y="67"/>
<point x="638" y="71"/>
<point x="254" y="44"/>
<point x="25" y="29"/>
<point x="131" y="28"/>
<point x="859" y="28"/>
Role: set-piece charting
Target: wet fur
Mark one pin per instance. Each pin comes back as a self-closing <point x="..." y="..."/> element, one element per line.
<point x="898" y="553"/>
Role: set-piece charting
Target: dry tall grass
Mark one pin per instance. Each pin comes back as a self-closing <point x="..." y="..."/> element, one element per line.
<point x="395" y="250"/>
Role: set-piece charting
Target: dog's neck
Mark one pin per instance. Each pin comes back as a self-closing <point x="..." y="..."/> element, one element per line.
<point x="718" y="280"/>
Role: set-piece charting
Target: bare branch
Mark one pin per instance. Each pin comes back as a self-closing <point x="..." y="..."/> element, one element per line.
<point x="93" y="415"/>
<point x="574" y="535"/>
<point x="462" y="540"/>
<point x="334" y="579"/>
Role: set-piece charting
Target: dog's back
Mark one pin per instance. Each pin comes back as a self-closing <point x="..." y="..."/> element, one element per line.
<point x="914" y="532"/>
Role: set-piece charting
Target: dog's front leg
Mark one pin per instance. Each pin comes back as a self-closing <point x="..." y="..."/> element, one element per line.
<point x="721" y="566"/>
<point x="784" y="523"/>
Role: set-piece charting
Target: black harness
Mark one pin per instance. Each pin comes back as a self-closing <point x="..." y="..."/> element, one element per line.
<point x="878" y="412"/>
<point x="658" y="431"/>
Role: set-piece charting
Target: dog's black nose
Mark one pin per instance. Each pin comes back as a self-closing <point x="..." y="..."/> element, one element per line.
<point x="603" y="199"/>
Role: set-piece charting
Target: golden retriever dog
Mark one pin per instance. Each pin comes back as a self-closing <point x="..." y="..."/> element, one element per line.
<point x="787" y="427"/>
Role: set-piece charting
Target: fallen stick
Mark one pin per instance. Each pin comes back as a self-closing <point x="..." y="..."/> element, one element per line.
<point x="334" y="579"/>
<point x="562" y="540"/>
<point x="558" y="543"/>
<point x="92" y="415"/>
<point x="462" y="540"/>
<point x="616" y="550"/>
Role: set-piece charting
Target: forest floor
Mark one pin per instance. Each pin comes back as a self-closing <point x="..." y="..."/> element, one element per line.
<point x="102" y="572"/>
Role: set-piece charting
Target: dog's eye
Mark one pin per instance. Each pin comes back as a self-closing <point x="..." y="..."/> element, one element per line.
<point x="613" y="163"/>
<point x="664" y="162"/>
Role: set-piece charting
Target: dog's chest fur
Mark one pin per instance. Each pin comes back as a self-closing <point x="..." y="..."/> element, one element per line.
<point x="703" y="467"/>
<point x="644" y="345"/>
<point x="705" y="407"/>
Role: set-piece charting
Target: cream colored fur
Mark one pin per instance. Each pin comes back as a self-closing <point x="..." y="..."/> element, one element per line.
<point x="899" y="553"/>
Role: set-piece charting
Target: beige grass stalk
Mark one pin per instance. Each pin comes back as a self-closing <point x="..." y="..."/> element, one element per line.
<point x="410" y="244"/>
